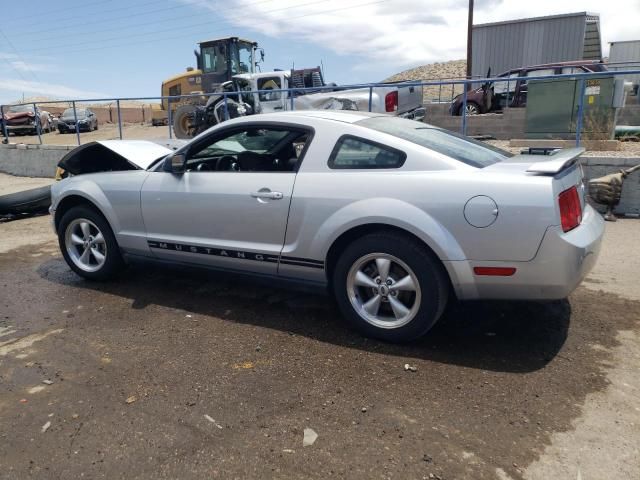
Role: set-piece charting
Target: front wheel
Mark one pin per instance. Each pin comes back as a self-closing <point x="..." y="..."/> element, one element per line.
<point x="183" y="121"/>
<point x="88" y="244"/>
<point x="389" y="287"/>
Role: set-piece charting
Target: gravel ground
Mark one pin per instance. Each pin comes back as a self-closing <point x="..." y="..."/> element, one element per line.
<point x="10" y="184"/>
<point x="178" y="373"/>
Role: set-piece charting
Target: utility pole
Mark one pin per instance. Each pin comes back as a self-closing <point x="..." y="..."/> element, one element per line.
<point x="469" y="42"/>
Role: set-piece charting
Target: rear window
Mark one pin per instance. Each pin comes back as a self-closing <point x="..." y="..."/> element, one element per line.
<point x="456" y="146"/>
<point x="354" y="152"/>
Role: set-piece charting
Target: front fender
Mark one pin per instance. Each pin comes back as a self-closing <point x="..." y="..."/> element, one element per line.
<point x="391" y="212"/>
<point x="88" y="190"/>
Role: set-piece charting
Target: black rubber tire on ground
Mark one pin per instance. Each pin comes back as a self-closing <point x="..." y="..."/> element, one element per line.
<point x="430" y="274"/>
<point x="96" y="125"/>
<point x="34" y="200"/>
<point x="113" y="263"/>
<point x="181" y="121"/>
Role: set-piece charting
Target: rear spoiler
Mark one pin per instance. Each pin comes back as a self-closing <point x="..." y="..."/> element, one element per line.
<point x="558" y="160"/>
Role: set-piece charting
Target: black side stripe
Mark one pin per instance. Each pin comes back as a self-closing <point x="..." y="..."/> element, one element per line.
<point x="237" y="254"/>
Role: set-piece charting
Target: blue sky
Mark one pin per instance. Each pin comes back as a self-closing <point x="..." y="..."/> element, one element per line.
<point x="89" y="48"/>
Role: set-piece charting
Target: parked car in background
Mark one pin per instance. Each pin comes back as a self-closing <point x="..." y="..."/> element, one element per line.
<point x="87" y="120"/>
<point x="26" y="119"/>
<point x="512" y="92"/>
<point x="392" y="216"/>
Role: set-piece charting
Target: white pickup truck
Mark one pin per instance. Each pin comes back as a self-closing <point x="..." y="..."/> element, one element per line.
<point x="302" y="89"/>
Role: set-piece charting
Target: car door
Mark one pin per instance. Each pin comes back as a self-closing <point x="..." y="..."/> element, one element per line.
<point x="271" y="101"/>
<point x="229" y="207"/>
<point x="521" y="99"/>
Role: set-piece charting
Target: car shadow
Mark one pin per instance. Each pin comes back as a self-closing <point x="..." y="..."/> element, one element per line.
<point x="516" y="337"/>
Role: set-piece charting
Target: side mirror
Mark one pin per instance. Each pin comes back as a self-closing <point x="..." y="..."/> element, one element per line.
<point x="174" y="163"/>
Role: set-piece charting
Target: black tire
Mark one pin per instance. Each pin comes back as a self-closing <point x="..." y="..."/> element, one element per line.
<point x="96" y="125"/>
<point x="113" y="262"/>
<point x="29" y="201"/>
<point x="426" y="269"/>
<point x="181" y="121"/>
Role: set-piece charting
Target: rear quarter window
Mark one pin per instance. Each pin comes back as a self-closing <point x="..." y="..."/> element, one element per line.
<point x="358" y="153"/>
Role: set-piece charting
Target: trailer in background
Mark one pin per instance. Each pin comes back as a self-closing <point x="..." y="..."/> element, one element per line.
<point x="503" y="46"/>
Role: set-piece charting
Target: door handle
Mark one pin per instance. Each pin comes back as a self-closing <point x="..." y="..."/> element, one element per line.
<point x="278" y="108"/>
<point x="265" y="193"/>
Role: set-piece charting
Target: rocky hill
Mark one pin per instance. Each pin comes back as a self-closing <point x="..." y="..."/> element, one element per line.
<point x="454" y="69"/>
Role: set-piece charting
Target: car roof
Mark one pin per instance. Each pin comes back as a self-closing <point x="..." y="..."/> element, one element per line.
<point x="345" y="116"/>
<point x="573" y="63"/>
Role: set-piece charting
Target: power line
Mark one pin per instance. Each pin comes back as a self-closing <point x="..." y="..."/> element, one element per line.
<point x="208" y="24"/>
<point x="26" y="65"/>
<point x="168" y="19"/>
<point x="57" y="10"/>
<point x="23" y="33"/>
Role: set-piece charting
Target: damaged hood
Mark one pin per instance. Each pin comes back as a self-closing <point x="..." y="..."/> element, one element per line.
<point x="113" y="155"/>
<point x="18" y="115"/>
<point x="141" y="153"/>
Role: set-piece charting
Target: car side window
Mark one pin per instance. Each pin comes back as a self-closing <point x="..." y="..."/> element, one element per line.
<point x="357" y="153"/>
<point x="502" y="87"/>
<point x="252" y="149"/>
<point x="539" y="73"/>
<point x="269" y="83"/>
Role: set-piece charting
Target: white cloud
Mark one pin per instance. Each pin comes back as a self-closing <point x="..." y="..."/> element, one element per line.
<point x="22" y="66"/>
<point x="403" y="33"/>
<point x="18" y="64"/>
<point x="11" y="88"/>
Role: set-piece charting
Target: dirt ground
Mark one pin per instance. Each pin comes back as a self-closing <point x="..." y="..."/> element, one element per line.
<point x="179" y="373"/>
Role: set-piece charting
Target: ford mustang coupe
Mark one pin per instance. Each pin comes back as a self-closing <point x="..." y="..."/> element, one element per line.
<point x="393" y="216"/>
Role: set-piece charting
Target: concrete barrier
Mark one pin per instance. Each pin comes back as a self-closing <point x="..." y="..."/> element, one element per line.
<point x="503" y="126"/>
<point x="31" y="160"/>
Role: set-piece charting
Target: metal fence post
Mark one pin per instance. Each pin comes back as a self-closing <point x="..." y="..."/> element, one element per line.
<point x="38" y="122"/>
<point x="75" y="116"/>
<point x="119" y="119"/>
<point x="370" y="97"/>
<point x="226" y="107"/>
<point x="291" y="97"/>
<point x="453" y="92"/>
<point x="581" y="88"/>
<point x="440" y="93"/>
<point x="464" y="109"/>
<point x="4" y="125"/>
<point x="169" y="117"/>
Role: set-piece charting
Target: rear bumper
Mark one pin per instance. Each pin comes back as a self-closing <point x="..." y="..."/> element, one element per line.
<point x="563" y="260"/>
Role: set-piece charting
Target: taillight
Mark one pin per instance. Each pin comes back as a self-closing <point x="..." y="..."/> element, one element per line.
<point x="570" y="209"/>
<point x="391" y="102"/>
<point x="495" y="271"/>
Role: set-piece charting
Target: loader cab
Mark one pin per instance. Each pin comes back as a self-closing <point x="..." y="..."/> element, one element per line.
<point x="221" y="59"/>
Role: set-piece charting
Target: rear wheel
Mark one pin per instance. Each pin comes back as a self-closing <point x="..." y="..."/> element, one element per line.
<point x="88" y="244"/>
<point x="472" y="109"/>
<point x="390" y="287"/>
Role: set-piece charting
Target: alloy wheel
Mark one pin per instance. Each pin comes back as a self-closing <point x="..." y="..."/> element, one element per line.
<point x="383" y="290"/>
<point x="85" y="245"/>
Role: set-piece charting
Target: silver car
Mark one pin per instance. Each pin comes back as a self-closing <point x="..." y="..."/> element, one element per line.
<point x="394" y="217"/>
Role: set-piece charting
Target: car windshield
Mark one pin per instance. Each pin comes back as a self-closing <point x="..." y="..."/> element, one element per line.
<point x="81" y="112"/>
<point x="459" y="147"/>
<point x="21" y="108"/>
